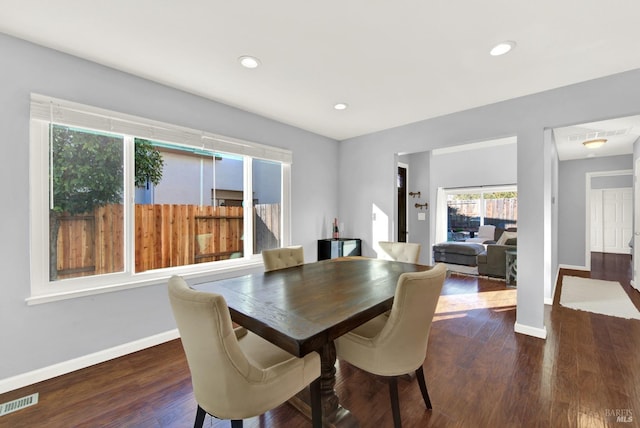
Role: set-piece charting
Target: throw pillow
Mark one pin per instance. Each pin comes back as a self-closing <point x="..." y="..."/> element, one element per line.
<point x="506" y="235"/>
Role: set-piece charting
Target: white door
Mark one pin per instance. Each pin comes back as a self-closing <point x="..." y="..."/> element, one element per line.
<point x="617" y="211"/>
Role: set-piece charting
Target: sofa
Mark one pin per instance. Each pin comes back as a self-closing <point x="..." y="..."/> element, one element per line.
<point x="458" y="253"/>
<point x="489" y="256"/>
<point x="492" y="262"/>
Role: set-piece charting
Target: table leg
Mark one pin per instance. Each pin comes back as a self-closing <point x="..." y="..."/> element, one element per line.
<point x="334" y="415"/>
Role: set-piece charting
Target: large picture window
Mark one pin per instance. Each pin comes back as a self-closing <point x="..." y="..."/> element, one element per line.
<point x="120" y="200"/>
<point x="470" y="208"/>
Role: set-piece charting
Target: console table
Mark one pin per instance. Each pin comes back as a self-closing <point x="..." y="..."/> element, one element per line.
<point x="511" y="271"/>
<point x="342" y="247"/>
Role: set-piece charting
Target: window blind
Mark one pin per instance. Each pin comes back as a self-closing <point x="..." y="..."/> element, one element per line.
<point x="75" y="114"/>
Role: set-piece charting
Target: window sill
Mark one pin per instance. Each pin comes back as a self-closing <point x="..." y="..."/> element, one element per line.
<point x="150" y="280"/>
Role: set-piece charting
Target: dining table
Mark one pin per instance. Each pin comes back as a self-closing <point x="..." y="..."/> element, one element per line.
<point x="304" y="308"/>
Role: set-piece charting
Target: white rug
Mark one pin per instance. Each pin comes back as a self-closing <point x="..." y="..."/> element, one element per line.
<point x="467" y="270"/>
<point x="596" y="295"/>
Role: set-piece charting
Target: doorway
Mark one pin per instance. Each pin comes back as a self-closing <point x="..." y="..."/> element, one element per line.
<point x="611" y="223"/>
<point x="595" y="235"/>
<point x="402" y="232"/>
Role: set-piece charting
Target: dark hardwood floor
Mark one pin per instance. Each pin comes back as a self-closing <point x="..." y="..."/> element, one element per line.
<point x="479" y="373"/>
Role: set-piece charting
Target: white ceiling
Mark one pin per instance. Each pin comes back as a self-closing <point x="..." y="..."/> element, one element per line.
<point x="393" y="62"/>
<point x="620" y="134"/>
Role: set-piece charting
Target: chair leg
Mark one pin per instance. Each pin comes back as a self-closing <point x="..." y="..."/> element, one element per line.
<point x="236" y="423"/>
<point x="395" y="405"/>
<point x="423" y="387"/>
<point x="200" y="414"/>
<point x="316" y="404"/>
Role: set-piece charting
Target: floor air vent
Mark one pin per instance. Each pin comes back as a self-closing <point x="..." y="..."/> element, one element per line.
<point x="18" y="404"/>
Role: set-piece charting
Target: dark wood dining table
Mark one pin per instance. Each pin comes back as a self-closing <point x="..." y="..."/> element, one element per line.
<point x="305" y="308"/>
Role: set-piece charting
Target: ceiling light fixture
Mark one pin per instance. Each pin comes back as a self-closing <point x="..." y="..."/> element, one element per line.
<point x="502" y="48"/>
<point x="340" y="106"/>
<point x="594" y="144"/>
<point x="249" y="61"/>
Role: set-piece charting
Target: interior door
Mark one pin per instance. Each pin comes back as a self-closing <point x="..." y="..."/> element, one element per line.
<point x="617" y="209"/>
<point x="402" y="204"/>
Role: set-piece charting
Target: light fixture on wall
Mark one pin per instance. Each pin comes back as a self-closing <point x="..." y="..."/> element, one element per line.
<point x="421" y="206"/>
<point x="594" y="144"/>
<point x="414" y="194"/>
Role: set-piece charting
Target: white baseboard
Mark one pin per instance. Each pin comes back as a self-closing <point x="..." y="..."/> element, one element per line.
<point x="25" y="379"/>
<point x="549" y="300"/>
<point x="572" y="267"/>
<point x="540" y="333"/>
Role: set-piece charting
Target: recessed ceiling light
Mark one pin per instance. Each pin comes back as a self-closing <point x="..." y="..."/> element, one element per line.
<point x="594" y="144"/>
<point x="340" y="106"/>
<point x="249" y="61"/>
<point x="502" y="48"/>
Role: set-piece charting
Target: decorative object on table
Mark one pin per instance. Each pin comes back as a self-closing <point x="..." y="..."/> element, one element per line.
<point x="336" y="231"/>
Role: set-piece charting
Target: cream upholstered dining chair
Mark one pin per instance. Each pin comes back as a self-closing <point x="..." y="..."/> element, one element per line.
<point x="235" y="373"/>
<point x="280" y="258"/>
<point x="400" y="251"/>
<point x="396" y="345"/>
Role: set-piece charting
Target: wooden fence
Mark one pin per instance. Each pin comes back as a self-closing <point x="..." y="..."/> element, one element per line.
<point x="165" y="236"/>
<point x="466" y="214"/>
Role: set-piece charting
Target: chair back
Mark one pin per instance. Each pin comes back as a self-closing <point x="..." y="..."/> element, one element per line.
<point x="220" y="372"/>
<point x="280" y="258"/>
<point x="402" y="342"/>
<point x="407" y="252"/>
<point x="487" y="232"/>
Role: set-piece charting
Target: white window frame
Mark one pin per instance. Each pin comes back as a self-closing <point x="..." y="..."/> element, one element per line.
<point x="46" y="110"/>
<point x="481" y="191"/>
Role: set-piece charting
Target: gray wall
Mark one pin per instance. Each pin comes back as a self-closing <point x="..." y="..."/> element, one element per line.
<point x="572" y="203"/>
<point x="612" y="182"/>
<point x="367" y="166"/>
<point x="487" y="166"/>
<point x="419" y="174"/>
<point x="35" y="337"/>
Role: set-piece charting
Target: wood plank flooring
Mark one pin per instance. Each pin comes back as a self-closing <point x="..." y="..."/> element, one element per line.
<point x="479" y="373"/>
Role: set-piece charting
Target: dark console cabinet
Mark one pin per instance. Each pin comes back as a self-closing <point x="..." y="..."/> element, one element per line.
<point x="332" y="248"/>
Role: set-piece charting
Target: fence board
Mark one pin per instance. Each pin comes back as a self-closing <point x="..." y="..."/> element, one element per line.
<point x="165" y="235"/>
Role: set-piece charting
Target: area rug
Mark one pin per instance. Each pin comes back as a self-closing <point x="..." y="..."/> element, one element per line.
<point x="461" y="269"/>
<point x="596" y="295"/>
